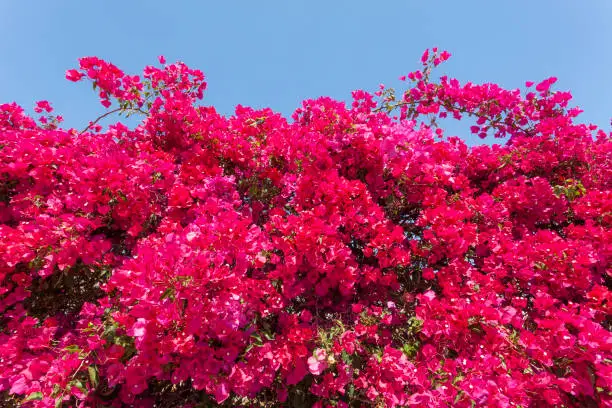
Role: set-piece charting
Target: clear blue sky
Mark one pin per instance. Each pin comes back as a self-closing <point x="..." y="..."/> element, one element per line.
<point x="277" y="53"/>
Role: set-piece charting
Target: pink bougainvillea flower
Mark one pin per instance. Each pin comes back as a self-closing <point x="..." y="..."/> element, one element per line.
<point x="352" y="255"/>
<point x="317" y="363"/>
<point x="74" y="75"/>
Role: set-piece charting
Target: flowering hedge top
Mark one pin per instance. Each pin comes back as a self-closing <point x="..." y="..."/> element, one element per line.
<point x="347" y="257"/>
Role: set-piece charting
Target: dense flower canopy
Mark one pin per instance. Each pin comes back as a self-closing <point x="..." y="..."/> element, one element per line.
<point x="345" y="257"/>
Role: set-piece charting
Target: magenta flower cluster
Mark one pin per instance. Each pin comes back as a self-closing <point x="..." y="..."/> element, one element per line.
<point x="345" y="257"/>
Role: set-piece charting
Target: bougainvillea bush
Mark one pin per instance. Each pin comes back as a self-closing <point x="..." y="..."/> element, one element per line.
<point x="350" y="256"/>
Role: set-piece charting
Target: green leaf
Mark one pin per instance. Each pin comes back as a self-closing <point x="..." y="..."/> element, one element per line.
<point x="93" y="375"/>
<point x="79" y="385"/>
<point x="34" y="396"/>
<point x="257" y="337"/>
<point x="351" y="390"/>
<point x="168" y="294"/>
<point x="73" y="349"/>
<point x="346" y="357"/>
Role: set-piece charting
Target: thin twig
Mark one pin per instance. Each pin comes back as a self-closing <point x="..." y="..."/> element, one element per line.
<point x="99" y="118"/>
